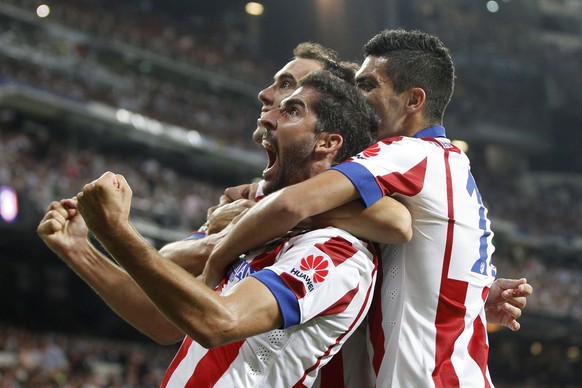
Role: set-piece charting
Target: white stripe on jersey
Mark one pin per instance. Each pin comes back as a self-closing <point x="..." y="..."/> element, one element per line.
<point x="330" y="275"/>
<point x="430" y="313"/>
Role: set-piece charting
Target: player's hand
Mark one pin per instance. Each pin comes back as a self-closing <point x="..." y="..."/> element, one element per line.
<point x="214" y="270"/>
<point x="223" y="215"/>
<point x="62" y="228"/>
<point x="105" y="203"/>
<point x="231" y="194"/>
<point x="507" y="298"/>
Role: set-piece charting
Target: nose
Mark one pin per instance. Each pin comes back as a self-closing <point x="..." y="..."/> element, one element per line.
<point x="266" y="96"/>
<point x="269" y="120"/>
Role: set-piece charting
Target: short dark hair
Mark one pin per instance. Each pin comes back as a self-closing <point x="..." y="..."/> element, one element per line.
<point x="343" y="110"/>
<point x="328" y="58"/>
<point x="315" y="51"/>
<point x="417" y="59"/>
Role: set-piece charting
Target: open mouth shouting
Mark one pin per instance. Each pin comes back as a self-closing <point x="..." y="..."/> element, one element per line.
<point x="270" y="171"/>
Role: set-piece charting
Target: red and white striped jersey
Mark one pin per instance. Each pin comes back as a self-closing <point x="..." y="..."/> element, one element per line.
<point x="427" y="323"/>
<point x="323" y="281"/>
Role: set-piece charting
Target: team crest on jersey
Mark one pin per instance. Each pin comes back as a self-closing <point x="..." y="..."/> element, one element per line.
<point x="313" y="269"/>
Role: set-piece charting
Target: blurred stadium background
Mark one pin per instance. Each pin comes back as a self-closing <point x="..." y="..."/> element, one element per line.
<point x="165" y="93"/>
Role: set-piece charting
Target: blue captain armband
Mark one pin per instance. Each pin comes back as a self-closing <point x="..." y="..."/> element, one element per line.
<point x="288" y="304"/>
<point x="362" y="180"/>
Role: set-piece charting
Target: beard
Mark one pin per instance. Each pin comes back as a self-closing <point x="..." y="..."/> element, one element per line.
<point x="294" y="164"/>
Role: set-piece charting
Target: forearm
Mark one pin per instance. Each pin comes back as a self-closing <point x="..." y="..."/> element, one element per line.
<point x="269" y="219"/>
<point x="190" y="254"/>
<point x="185" y="301"/>
<point x="277" y="214"/>
<point x="386" y="221"/>
<point x="121" y="293"/>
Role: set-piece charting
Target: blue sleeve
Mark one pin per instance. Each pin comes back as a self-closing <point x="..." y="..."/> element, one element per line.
<point x="288" y="304"/>
<point x="363" y="180"/>
<point x="195" y="236"/>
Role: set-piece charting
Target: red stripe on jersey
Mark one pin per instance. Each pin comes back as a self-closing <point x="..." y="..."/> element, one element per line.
<point x="341" y="304"/>
<point x="478" y="348"/>
<point x="332" y="374"/>
<point x="213" y="365"/>
<point x="410" y="183"/>
<point x="338" y="249"/>
<point x="389" y="140"/>
<point x="294" y="284"/>
<point x="451" y="309"/>
<point x="177" y="360"/>
<point x="265" y="259"/>
<point x="339" y="337"/>
<point x="375" y="322"/>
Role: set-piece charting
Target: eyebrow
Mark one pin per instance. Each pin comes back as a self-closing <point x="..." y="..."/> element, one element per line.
<point x="293" y="101"/>
<point x="365" y="77"/>
<point x="284" y="76"/>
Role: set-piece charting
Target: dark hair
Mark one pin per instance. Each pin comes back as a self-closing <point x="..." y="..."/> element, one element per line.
<point x="315" y="51"/>
<point x="328" y="59"/>
<point x="417" y="59"/>
<point x="341" y="109"/>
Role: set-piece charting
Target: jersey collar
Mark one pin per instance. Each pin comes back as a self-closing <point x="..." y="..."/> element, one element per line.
<point x="434" y="131"/>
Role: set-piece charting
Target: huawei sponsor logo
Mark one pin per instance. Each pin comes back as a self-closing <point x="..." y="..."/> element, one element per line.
<point x="312" y="270"/>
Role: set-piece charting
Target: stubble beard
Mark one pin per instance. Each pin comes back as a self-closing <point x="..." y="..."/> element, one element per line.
<point x="294" y="167"/>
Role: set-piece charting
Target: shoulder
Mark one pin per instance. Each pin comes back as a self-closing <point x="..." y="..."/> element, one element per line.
<point x="324" y="234"/>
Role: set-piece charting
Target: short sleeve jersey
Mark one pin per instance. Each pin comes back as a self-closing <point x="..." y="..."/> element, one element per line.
<point x="323" y="281"/>
<point x="427" y="323"/>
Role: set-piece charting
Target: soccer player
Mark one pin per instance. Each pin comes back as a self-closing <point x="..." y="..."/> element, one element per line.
<point x="507" y="297"/>
<point x="282" y="312"/>
<point x="428" y="327"/>
<point x="65" y="232"/>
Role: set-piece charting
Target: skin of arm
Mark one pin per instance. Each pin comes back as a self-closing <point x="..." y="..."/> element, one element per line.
<point x="278" y="213"/>
<point x="192" y="254"/>
<point x="283" y="210"/>
<point x="65" y="232"/>
<point x="387" y="221"/>
<point x="207" y="317"/>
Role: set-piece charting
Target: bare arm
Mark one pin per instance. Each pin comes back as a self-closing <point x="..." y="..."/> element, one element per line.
<point x="64" y="231"/>
<point x="192" y="254"/>
<point x="387" y="221"/>
<point x="207" y="317"/>
<point x="278" y="213"/>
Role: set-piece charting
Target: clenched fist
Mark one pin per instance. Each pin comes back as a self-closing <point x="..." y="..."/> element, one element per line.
<point x="105" y="203"/>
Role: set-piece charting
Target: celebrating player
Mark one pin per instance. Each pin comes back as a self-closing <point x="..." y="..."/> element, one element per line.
<point x="428" y="328"/>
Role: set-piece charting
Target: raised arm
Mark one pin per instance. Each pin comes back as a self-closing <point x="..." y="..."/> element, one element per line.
<point x="64" y="232"/>
<point x="201" y="313"/>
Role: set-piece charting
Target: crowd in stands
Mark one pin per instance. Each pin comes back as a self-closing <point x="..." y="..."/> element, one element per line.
<point x="75" y="75"/>
<point x="499" y="64"/>
<point x="556" y="276"/>
<point x="550" y="210"/>
<point x="499" y="80"/>
<point x="48" y="169"/>
<point x="217" y="44"/>
<point x="46" y="359"/>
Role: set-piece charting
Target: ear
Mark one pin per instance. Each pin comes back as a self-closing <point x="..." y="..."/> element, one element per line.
<point x="416" y="100"/>
<point x="328" y="142"/>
